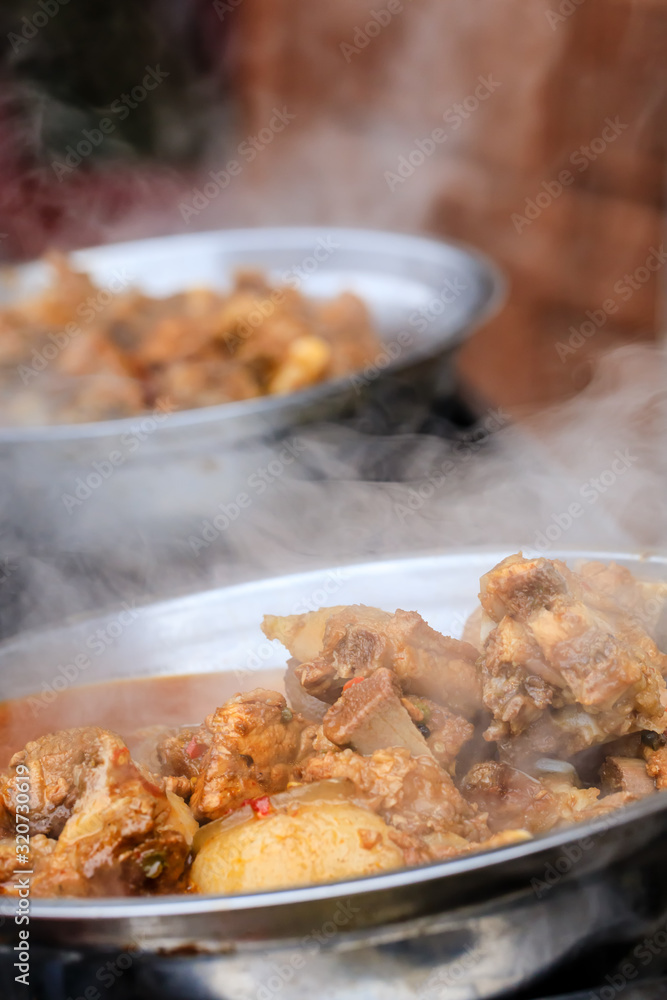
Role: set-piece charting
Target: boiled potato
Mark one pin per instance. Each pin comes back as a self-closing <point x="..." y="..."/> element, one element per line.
<point x="309" y="843"/>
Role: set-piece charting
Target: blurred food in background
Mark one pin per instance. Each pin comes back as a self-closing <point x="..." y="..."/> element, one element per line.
<point x="109" y="353"/>
<point x="550" y="153"/>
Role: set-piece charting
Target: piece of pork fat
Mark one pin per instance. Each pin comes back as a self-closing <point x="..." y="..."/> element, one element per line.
<point x="355" y="641"/>
<point x="302" y="635"/>
<point x="370" y="715"/>
<point x="412" y="794"/>
<point x="123" y="834"/>
<point x="255" y="739"/>
<point x="551" y="650"/>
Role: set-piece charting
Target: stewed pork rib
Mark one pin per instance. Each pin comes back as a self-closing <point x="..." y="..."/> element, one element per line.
<point x="414" y="795"/>
<point x="564" y="669"/>
<point x="337" y="644"/>
<point x="118" y="832"/>
<point x="255" y="739"/>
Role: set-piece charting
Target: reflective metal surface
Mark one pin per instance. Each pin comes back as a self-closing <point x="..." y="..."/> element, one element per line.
<point x="488" y="921"/>
<point x="431" y="290"/>
<point x="425" y="297"/>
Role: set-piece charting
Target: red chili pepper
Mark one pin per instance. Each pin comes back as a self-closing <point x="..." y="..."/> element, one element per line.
<point x="355" y="680"/>
<point x="195" y="749"/>
<point x="261" y="806"/>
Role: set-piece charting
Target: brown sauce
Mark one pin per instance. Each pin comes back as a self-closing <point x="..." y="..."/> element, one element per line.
<point x="122" y="706"/>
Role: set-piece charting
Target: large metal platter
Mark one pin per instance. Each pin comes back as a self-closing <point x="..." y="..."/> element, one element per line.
<point x="219" y="632"/>
<point x="174" y="474"/>
<point x="397" y="276"/>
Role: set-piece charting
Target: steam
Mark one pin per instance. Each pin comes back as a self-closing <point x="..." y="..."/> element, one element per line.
<point x="588" y="474"/>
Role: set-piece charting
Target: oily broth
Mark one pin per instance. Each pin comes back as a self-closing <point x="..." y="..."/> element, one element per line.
<point x="122" y="706"/>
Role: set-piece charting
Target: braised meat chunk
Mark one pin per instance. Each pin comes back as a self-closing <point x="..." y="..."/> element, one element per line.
<point x="445" y="732"/>
<point x="254" y="741"/>
<point x="55" y="765"/>
<point x="181" y="754"/>
<point x="355" y="641"/>
<point x="370" y="715"/>
<point x="554" y="648"/>
<point x="644" y="601"/>
<point x="412" y="794"/>
<point x="124" y="834"/>
<point x="511" y="799"/>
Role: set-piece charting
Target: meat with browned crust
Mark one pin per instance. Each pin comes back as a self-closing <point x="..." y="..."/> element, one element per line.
<point x="254" y="741"/>
<point x="55" y="764"/>
<point x="370" y="715"/>
<point x="355" y="641"/>
<point x="513" y="799"/>
<point x="413" y="794"/>
<point x="563" y="669"/>
<point x="445" y="732"/>
<point x="122" y="835"/>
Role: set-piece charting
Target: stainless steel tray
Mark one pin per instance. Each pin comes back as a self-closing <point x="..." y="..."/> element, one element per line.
<point x="394" y="274"/>
<point x="403" y="932"/>
<point x="174" y="475"/>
